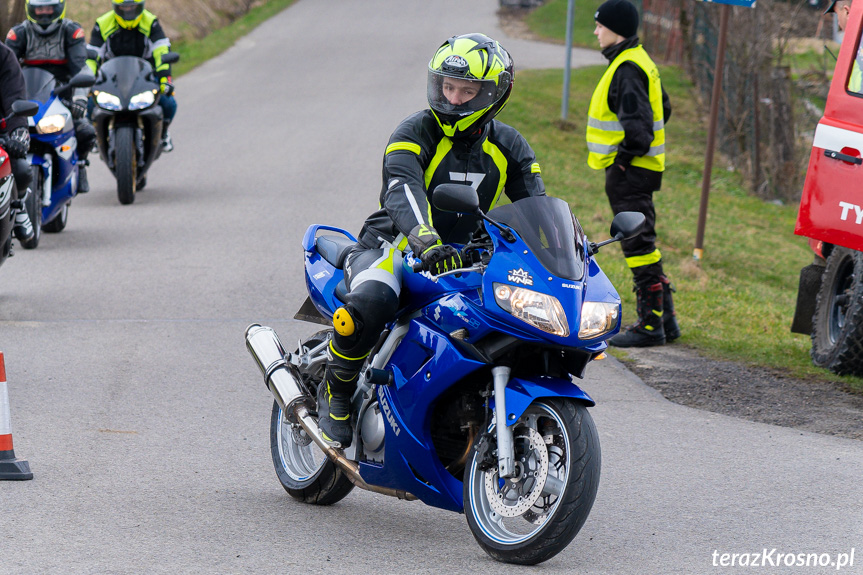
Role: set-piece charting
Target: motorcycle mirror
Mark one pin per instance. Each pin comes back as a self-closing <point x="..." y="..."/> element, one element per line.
<point x="83" y="79"/>
<point x="24" y="108"/>
<point x="457" y="198"/>
<point x="170" y="58"/>
<point x="626" y="225"/>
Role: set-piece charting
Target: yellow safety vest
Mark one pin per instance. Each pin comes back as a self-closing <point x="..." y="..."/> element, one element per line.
<point x="604" y="131"/>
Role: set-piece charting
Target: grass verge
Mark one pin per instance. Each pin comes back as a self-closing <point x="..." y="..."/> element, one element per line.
<point x="738" y="302"/>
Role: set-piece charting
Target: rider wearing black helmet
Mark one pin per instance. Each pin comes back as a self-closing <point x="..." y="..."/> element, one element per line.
<point x="50" y="41"/>
<point x="131" y="30"/>
<point x="457" y="140"/>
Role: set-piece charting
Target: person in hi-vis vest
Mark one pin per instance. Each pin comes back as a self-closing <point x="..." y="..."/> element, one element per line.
<point x="626" y="138"/>
<point x="842" y="8"/>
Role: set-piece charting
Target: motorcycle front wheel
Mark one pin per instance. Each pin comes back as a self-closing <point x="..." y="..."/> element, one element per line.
<point x="533" y="516"/>
<point x="126" y="164"/>
<point x="303" y="469"/>
<point x="58" y="224"/>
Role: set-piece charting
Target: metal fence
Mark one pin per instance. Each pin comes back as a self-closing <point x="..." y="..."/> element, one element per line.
<point x="758" y="129"/>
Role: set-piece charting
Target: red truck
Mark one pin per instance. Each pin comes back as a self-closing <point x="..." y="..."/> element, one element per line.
<point x="830" y="297"/>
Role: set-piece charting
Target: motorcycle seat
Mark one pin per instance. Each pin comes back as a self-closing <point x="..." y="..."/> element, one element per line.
<point x="334" y="249"/>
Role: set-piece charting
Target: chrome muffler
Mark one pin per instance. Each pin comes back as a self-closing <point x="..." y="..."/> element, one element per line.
<point x="284" y="382"/>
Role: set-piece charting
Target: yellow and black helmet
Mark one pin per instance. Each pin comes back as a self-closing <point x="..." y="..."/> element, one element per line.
<point x="46" y="13"/>
<point x="128" y="12"/>
<point x="469" y="82"/>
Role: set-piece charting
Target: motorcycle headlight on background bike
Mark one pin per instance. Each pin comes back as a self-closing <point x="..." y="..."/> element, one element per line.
<point x="108" y="101"/>
<point x="597" y="318"/>
<point x="51" y="124"/>
<point x="539" y="310"/>
<point x="142" y="100"/>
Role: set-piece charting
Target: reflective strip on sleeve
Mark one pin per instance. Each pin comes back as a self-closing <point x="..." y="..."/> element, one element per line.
<point x="405" y="146"/>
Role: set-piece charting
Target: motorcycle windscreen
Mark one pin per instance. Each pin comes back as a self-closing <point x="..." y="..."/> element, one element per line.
<point x="548" y="227"/>
<point x="40" y="83"/>
<point x="124" y="73"/>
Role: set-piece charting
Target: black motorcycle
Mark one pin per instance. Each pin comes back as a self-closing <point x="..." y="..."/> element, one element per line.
<point x="128" y="120"/>
<point x="8" y="209"/>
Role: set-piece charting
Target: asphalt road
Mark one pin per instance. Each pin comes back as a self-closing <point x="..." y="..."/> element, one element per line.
<point x="145" y="420"/>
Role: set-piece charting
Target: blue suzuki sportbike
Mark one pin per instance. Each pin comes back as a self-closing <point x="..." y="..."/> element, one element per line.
<point x="467" y="402"/>
<point x="53" y="153"/>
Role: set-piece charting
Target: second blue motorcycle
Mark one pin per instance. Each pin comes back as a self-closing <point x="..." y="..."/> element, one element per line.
<point x="53" y="153"/>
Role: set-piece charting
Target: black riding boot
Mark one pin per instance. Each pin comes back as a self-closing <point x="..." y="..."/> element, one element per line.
<point x="648" y="330"/>
<point x="669" y="317"/>
<point x="334" y="396"/>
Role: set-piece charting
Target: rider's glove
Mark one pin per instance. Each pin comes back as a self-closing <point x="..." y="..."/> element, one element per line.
<point x="167" y="86"/>
<point x="78" y="107"/>
<point x="436" y="257"/>
<point x="18" y="143"/>
<point x="440" y="259"/>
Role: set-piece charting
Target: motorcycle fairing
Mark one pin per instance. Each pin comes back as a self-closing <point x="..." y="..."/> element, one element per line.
<point x="424" y="366"/>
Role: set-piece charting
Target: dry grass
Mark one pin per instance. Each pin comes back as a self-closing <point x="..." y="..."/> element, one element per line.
<point x="183" y="20"/>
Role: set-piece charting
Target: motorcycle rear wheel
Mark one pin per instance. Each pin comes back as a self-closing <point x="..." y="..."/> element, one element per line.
<point x="532" y="519"/>
<point x="126" y="164"/>
<point x="302" y="468"/>
<point x="33" y="205"/>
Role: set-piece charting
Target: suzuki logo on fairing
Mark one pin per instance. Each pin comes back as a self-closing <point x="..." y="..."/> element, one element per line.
<point x="437" y="313"/>
<point x="846" y="207"/>
<point x="520" y="276"/>
<point x="319" y="275"/>
<point x="389" y="413"/>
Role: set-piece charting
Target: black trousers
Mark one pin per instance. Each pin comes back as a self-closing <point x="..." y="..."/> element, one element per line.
<point x="632" y="191"/>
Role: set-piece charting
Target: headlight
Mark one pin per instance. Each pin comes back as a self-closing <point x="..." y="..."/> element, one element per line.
<point x="108" y="101"/>
<point x="51" y="124"/>
<point x="142" y="100"/>
<point x="539" y="310"/>
<point x="597" y="318"/>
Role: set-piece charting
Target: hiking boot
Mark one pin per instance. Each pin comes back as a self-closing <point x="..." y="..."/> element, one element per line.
<point x="334" y="417"/>
<point x="649" y="330"/>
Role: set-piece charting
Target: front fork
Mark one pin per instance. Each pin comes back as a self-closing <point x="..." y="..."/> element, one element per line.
<point x="505" y="443"/>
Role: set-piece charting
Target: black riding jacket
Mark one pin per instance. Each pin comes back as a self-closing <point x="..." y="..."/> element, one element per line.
<point x="63" y="53"/>
<point x="419" y="157"/>
<point x="12" y="87"/>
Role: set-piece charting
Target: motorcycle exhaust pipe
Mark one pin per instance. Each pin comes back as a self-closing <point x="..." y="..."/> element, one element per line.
<point x="283" y="381"/>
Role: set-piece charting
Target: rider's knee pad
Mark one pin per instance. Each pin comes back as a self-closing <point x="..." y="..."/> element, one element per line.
<point x="344" y="322"/>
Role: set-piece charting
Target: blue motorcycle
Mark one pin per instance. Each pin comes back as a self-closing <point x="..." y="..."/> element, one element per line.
<point x="53" y="153"/>
<point x="467" y="402"/>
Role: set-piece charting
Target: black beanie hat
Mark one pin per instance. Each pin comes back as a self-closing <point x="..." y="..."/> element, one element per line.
<point x="619" y="16"/>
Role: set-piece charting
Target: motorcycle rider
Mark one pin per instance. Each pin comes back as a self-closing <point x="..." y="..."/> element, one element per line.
<point x="456" y="140"/>
<point x="17" y="135"/>
<point x="130" y="30"/>
<point x="56" y="44"/>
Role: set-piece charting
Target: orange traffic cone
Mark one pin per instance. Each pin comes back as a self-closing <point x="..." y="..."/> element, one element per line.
<point x="10" y="467"/>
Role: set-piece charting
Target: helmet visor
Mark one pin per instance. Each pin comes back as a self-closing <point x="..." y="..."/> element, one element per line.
<point x="454" y="96"/>
<point x="44" y="12"/>
<point x="129" y="11"/>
